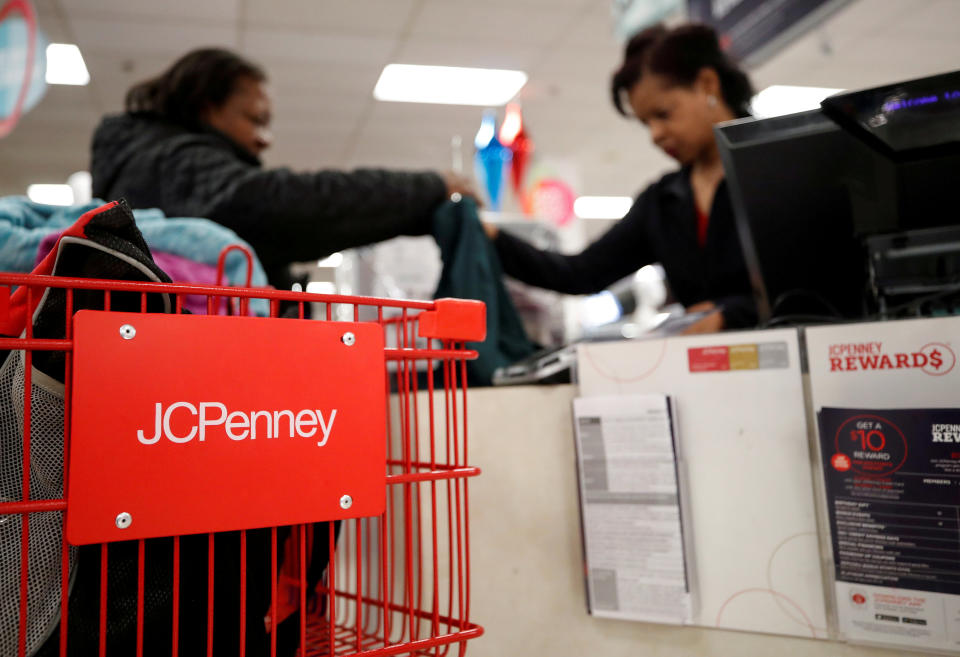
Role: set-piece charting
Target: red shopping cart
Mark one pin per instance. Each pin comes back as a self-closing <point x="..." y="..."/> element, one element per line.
<point x="214" y="485"/>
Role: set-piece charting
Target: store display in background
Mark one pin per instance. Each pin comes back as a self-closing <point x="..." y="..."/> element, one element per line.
<point x="541" y="188"/>
<point x="409" y="268"/>
<point x="753" y="31"/>
<point x="551" y="187"/>
<point x="543" y="313"/>
<point x="553" y="199"/>
<point x="406" y="267"/>
<point x="23" y="63"/>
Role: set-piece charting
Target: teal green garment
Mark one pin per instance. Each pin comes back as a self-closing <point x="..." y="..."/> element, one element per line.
<point x="471" y="270"/>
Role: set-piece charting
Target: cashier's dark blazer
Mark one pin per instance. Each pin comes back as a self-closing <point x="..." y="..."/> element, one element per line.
<point x="661" y="226"/>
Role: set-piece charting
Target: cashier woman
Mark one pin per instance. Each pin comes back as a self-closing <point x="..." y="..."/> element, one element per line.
<point x="678" y="84"/>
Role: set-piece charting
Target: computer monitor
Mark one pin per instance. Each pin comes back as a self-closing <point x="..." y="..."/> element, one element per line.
<point x="808" y="188"/>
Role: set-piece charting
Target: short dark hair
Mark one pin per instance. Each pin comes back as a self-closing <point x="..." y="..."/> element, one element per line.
<point x="198" y="80"/>
<point x="679" y="54"/>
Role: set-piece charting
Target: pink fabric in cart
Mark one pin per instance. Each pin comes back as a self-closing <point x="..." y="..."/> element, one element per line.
<point x="178" y="268"/>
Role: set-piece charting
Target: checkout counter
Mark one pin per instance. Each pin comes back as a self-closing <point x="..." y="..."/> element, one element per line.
<point x="755" y="501"/>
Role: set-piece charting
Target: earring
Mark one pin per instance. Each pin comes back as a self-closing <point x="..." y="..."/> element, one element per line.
<point x="711" y="101"/>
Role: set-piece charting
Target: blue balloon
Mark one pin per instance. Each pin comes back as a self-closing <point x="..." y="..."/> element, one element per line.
<point x="490" y="163"/>
<point x="491" y="159"/>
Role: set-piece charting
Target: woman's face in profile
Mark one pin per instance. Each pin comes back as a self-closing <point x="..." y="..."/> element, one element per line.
<point x="244" y="116"/>
<point x="680" y="119"/>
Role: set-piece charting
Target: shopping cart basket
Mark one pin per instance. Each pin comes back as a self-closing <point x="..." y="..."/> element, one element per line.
<point x="175" y="483"/>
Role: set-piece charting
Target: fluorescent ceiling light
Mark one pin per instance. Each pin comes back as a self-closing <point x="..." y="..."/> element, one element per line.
<point x="65" y="65"/>
<point x="450" y="85"/>
<point x="602" y="207"/>
<point x="781" y="99"/>
<point x="51" y="194"/>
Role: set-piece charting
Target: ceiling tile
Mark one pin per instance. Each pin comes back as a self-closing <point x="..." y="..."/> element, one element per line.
<point x="207" y="11"/>
<point x="141" y="36"/>
<point x="452" y="51"/>
<point x="581" y="63"/>
<point x="326" y="85"/>
<point x="539" y="5"/>
<point x="306" y="148"/>
<point x="405" y="152"/>
<point x="502" y="24"/>
<point x="64" y="105"/>
<point x="303" y="112"/>
<point x="929" y="19"/>
<point x="561" y="90"/>
<point x="28" y="156"/>
<point x="276" y="46"/>
<point x="113" y="73"/>
<point x="50" y="21"/>
<point x="863" y="17"/>
<point x="593" y="28"/>
<point x="355" y="16"/>
<point x="405" y="116"/>
<point x="870" y="59"/>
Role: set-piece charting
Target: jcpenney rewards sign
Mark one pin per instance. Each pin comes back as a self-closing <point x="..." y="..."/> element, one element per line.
<point x="934" y="358"/>
<point x="186" y="424"/>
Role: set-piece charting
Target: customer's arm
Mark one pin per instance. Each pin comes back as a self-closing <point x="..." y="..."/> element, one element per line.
<point x="298" y="216"/>
<point x="617" y="253"/>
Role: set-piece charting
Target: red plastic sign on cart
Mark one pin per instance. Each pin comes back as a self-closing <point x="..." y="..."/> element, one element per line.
<point x="186" y="424"/>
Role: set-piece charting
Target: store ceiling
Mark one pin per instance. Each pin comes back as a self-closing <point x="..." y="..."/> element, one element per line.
<point x="324" y="57"/>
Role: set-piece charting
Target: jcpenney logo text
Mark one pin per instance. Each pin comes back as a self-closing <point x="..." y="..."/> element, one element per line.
<point x="945" y="433"/>
<point x="237" y="425"/>
<point x="935" y="358"/>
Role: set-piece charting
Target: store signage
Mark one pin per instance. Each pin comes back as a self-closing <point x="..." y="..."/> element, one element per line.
<point x="891" y="478"/>
<point x="237" y="425"/>
<point x="187" y="424"/>
<point x="752" y="31"/>
<point x="934" y="358"/>
<point x="723" y="358"/>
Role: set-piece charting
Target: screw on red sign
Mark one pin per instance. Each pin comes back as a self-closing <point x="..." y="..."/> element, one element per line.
<point x="840" y="462"/>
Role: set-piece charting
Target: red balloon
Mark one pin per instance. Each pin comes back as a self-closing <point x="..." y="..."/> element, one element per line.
<point x="514" y="137"/>
<point x="521" y="148"/>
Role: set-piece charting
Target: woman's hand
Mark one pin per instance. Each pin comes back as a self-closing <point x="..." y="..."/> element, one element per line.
<point x="457" y="184"/>
<point x="711" y="323"/>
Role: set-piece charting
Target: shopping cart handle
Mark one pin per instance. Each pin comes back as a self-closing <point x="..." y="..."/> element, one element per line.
<point x="455" y="319"/>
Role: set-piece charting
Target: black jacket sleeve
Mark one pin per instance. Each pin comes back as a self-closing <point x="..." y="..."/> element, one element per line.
<point x="291" y="216"/>
<point x="617" y="253"/>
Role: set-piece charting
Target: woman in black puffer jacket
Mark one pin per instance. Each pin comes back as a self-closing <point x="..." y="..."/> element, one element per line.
<point x="189" y="144"/>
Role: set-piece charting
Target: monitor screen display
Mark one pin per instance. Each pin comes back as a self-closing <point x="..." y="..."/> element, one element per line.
<point x="903" y="118"/>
